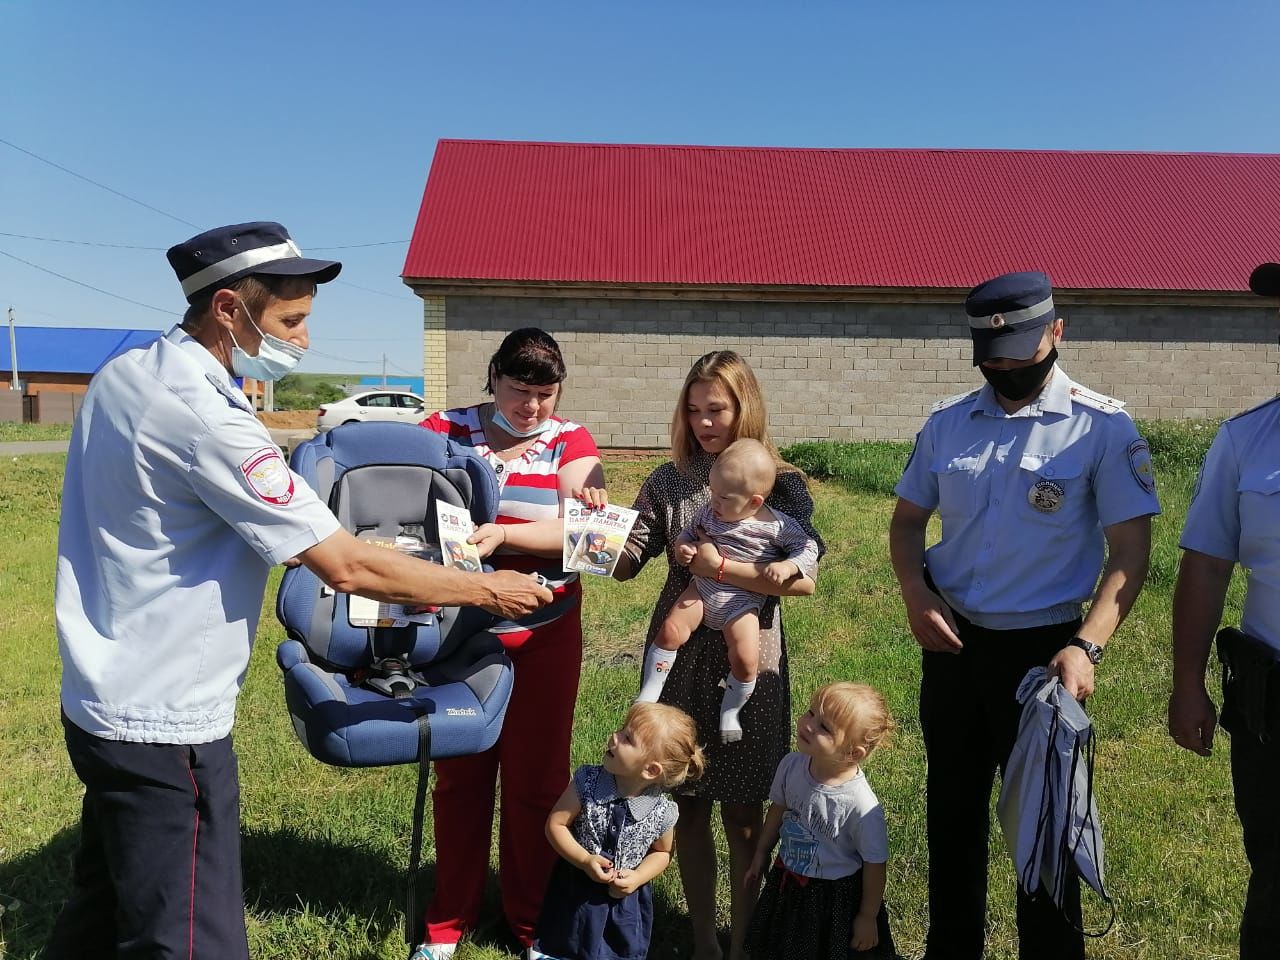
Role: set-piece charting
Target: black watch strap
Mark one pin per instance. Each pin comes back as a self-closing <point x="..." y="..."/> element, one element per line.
<point x="1092" y="650"/>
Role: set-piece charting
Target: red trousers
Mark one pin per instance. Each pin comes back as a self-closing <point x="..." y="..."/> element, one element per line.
<point x="532" y="756"/>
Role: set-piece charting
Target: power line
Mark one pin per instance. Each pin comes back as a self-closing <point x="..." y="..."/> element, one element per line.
<point x="381" y="293"/>
<point x="81" y="283"/>
<point x="312" y="351"/>
<point x="354" y="246"/>
<point x="132" y="246"/>
<point x="81" y="243"/>
<point x="102" y="186"/>
<point x="401" y="369"/>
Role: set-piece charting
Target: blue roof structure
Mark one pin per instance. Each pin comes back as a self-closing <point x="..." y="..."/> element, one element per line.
<point x="412" y="384"/>
<point x="80" y="350"/>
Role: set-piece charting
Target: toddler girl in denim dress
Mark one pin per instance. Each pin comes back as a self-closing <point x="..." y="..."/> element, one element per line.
<point x="614" y="831"/>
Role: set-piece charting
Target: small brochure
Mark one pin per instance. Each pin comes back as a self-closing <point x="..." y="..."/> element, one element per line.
<point x="593" y="539"/>
<point x="364" y="612"/>
<point x="455" y="526"/>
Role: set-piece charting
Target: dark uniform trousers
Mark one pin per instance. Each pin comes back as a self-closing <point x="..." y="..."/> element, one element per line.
<point x="1255" y="778"/>
<point x="157" y="874"/>
<point x="969" y="718"/>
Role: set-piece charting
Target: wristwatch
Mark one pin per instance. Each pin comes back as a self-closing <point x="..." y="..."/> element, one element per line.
<point x="1091" y="650"/>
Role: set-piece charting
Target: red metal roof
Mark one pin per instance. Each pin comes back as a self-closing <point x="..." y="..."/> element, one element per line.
<point x="608" y="213"/>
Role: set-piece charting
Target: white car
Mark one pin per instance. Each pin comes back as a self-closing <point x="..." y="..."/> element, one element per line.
<point x="371" y="405"/>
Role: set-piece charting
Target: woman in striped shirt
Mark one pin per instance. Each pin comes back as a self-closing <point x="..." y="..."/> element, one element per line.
<point x="539" y="459"/>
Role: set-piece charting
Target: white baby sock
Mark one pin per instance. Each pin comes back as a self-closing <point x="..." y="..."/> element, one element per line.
<point x="657" y="666"/>
<point x="736" y="695"/>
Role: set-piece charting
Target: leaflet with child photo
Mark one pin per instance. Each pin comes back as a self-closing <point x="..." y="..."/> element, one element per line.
<point x="593" y="539"/>
<point x="456" y="527"/>
<point x="365" y="612"/>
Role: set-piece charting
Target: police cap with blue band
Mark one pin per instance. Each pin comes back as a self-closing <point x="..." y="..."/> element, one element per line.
<point x="1265" y="280"/>
<point x="1007" y="315"/>
<point x="223" y="255"/>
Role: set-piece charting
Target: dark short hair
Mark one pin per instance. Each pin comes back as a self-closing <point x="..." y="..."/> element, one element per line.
<point x="529" y="355"/>
<point x="257" y="289"/>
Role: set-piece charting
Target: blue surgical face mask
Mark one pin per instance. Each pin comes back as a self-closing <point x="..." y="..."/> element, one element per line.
<point x="276" y="358"/>
<point x="542" y="426"/>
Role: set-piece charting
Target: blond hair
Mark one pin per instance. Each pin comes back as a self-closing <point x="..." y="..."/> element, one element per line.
<point x="670" y="737"/>
<point x="735" y="378"/>
<point x="856" y="714"/>
<point x="747" y="466"/>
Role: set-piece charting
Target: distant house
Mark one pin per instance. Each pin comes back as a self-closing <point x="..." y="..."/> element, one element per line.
<point x="840" y="274"/>
<point x="63" y="359"/>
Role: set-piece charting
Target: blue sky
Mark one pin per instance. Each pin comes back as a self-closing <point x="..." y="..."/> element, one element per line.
<point x="324" y="115"/>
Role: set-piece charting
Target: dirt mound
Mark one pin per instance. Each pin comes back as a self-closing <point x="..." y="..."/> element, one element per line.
<point x="289" y="419"/>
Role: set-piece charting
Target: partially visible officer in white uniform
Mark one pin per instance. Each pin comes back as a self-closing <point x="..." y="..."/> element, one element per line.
<point x="175" y="505"/>
<point x="1235" y="518"/>
<point x="1030" y="474"/>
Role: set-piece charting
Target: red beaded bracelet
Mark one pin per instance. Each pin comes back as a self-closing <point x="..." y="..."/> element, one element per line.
<point x="720" y="572"/>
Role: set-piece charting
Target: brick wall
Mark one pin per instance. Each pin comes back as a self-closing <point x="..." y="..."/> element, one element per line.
<point x="847" y="370"/>
<point x="434" y="361"/>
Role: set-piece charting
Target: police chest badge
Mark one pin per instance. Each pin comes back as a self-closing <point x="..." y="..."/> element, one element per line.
<point x="1046" y="496"/>
<point x="268" y="476"/>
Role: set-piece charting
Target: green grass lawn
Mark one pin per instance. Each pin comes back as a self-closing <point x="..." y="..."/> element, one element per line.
<point x="325" y="848"/>
<point x="34" y="431"/>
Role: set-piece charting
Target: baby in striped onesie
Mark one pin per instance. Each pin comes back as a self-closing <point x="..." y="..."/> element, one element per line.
<point x="742" y="528"/>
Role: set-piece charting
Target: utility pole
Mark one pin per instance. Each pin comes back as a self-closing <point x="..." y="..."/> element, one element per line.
<point x="384" y="371"/>
<point x="13" y="353"/>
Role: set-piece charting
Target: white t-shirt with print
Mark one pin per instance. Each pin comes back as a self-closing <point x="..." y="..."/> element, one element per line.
<point x="828" y="832"/>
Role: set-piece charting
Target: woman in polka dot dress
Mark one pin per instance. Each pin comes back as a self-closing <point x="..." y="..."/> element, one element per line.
<point x="719" y="403"/>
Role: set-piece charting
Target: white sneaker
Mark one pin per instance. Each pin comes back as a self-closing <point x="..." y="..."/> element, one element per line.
<point x="434" y="951"/>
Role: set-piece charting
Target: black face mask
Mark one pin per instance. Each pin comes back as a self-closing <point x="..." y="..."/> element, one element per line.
<point x="1020" y="382"/>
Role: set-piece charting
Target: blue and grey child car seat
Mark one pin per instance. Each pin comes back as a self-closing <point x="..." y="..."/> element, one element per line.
<point x="374" y="696"/>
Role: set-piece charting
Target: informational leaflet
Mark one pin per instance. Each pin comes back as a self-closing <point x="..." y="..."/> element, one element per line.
<point x="593" y="539"/>
<point x="455" y="527"/>
<point x="364" y="612"/>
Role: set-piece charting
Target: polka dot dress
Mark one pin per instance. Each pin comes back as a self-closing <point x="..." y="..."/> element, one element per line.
<point x="741" y="771"/>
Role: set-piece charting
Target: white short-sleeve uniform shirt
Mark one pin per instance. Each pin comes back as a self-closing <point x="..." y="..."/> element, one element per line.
<point x="175" y="504"/>
<point x="1235" y="512"/>
<point x="1024" y="497"/>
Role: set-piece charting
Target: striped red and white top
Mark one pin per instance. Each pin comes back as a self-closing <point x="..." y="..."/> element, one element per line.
<point x="529" y="483"/>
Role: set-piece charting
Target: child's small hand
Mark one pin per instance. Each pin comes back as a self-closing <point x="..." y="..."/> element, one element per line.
<point x="706" y="562"/>
<point x="598" y="868"/>
<point x="488" y="538"/>
<point x="685" y="552"/>
<point x="780" y="571"/>
<point x="594" y="497"/>
<point x="865" y="933"/>
<point x="623" y="884"/>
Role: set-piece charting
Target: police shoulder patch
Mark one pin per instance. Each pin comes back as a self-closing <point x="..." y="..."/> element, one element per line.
<point x="952" y="401"/>
<point x="268" y="476"/>
<point x="1094" y="400"/>
<point x="1140" y="464"/>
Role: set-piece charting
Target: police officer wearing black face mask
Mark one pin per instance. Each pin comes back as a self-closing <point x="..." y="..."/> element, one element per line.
<point x="1031" y="475"/>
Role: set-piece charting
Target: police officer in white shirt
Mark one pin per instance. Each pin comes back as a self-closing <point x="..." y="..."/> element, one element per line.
<point x="175" y="505"/>
<point x="1234" y="517"/>
<point x="1030" y="475"/>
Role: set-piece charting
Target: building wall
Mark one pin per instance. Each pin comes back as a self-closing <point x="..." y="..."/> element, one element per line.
<point x="846" y="371"/>
<point x="55" y="382"/>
